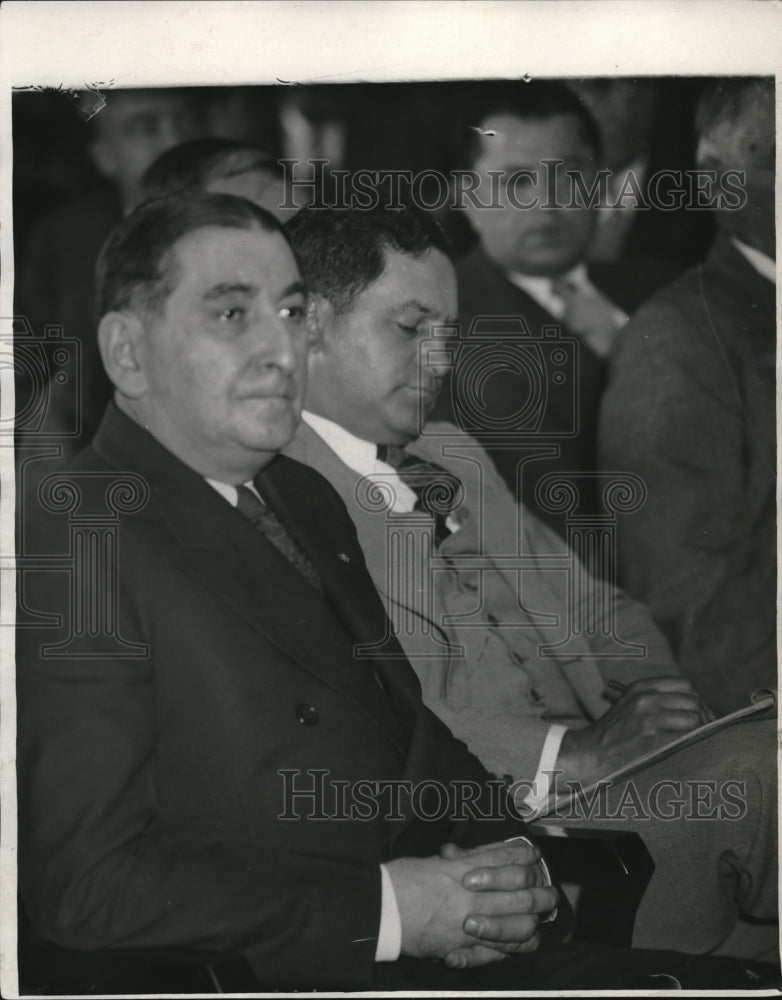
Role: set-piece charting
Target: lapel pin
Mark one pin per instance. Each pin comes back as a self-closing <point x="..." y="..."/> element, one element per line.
<point x="343" y="556"/>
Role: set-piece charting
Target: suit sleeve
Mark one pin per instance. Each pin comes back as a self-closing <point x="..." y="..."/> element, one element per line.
<point x="611" y="617"/>
<point x="672" y="416"/>
<point x="504" y="743"/>
<point x="98" y="868"/>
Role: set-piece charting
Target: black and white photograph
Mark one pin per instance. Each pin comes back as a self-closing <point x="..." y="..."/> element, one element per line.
<point x="389" y="498"/>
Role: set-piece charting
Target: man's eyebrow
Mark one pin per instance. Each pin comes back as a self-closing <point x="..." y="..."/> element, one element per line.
<point x="412" y="304"/>
<point x="228" y="288"/>
<point x="425" y="310"/>
<point x="295" y="288"/>
<point x="244" y="288"/>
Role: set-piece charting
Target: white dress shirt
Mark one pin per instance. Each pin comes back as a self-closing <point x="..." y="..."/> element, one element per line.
<point x="765" y="266"/>
<point x="541" y="289"/>
<point x="361" y="457"/>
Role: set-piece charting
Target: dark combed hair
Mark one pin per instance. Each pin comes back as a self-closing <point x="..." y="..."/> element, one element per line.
<point x="723" y="100"/>
<point x="134" y="269"/>
<point x="192" y="165"/>
<point x="340" y="252"/>
<point x="535" y="101"/>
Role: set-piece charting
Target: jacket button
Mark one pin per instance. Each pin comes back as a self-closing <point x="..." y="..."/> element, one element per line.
<point x="307" y="715"/>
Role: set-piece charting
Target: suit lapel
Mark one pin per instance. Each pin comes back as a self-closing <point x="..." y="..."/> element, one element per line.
<point x="227" y="554"/>
<point x="326" y="533"/>
<point x="310" y="449"/>
<point x="364" y="610"/>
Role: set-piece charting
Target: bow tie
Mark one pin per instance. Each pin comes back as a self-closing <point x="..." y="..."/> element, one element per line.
<point x="439" y="491"/>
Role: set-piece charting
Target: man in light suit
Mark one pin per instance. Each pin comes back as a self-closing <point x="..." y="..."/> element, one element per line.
<point x="690" y="407"/>
<point x="192" y="708"/>
<point x="492" y="646"/>
<point x="528" y="274"/>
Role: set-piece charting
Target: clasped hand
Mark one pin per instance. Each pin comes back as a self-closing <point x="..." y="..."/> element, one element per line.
<point x="471" y="907"/>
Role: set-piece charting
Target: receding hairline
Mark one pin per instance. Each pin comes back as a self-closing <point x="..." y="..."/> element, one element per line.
<point x="170" y="266"/>
<point x="253" y="226"/>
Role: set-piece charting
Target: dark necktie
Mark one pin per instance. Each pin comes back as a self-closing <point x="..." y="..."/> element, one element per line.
<point x="439" y="491"/>
<point x="265" y="520"/>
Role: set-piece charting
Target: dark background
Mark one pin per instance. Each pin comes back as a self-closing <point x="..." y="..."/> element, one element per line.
<point x="396" y="126"/>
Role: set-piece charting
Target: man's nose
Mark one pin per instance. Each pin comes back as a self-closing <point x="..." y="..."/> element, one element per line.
<point x="437" y="361"/>
<point x="277" y="346"/>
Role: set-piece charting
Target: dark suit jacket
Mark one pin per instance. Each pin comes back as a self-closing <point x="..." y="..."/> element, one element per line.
<point x="554" y="415"/>
<point x="150" y="785"/>
<point x="690" y="407"/>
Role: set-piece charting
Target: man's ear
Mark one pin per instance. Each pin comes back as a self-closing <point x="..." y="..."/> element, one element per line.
<point x="120" y="336"/>
<point x="320" y="320"/>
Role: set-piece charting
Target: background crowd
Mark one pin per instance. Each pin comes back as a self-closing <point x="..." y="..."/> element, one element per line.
<point x="689" y="404"/>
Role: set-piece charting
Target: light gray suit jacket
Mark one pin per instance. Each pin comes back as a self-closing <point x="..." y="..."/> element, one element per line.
<point x="480" y="636"/>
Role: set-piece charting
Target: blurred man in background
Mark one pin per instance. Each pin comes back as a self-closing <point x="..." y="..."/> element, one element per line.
<point x="55" y="281"/>
<point x="529" y="272"/>
<point x="646" y="127"/>
<point x="221" y="166"/>
<point x="690" y="407"/>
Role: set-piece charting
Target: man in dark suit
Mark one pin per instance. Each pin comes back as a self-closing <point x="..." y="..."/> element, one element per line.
<point x="528" y="395"/>
<point x="690" y="407"/>
<point x="204" y="754"/>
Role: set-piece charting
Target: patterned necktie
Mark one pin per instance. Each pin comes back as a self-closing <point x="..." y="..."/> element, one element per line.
<point x="265" y="520"/>
<point x="590" y="314"/>
<point x="439" y="491"/>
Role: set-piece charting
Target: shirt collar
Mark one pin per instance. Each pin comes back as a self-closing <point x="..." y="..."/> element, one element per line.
<point x="230" y="492"/>
<point x="361" y="457"/>
<point x="763" y="264"/>
<point x="358" y="455"/>
<point x="539" y="288"/>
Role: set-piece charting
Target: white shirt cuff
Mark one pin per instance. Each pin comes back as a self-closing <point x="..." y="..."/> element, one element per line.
<point x="537" y="796"/>
<point x="389" y="936"/>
